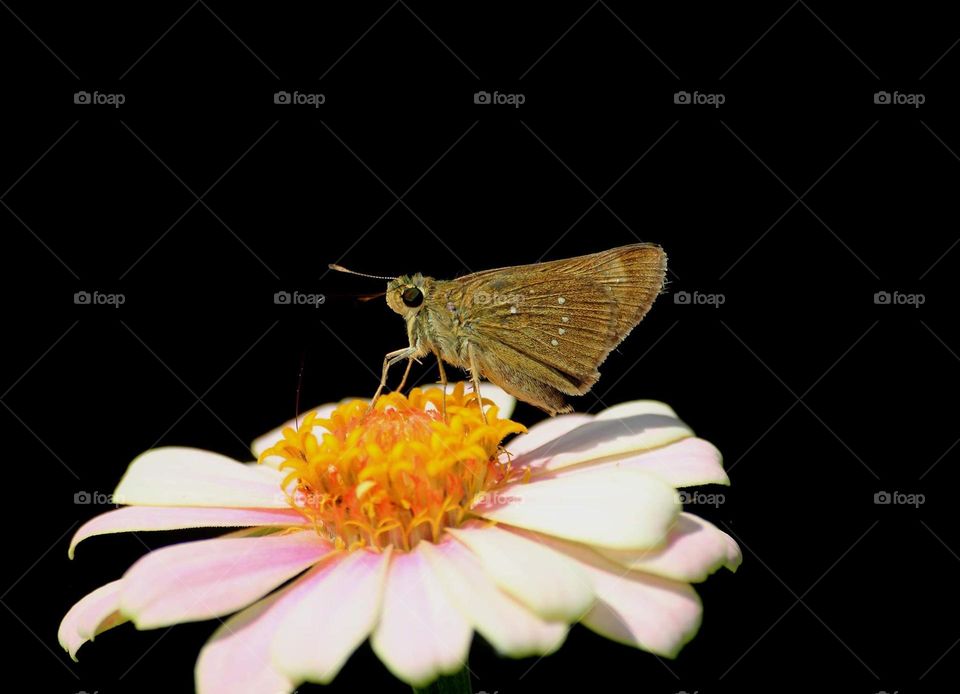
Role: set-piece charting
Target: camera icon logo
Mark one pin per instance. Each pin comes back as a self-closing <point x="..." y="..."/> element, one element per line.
<point x="681" y="98"/>
<point x="881" y="98"/>
<point x="82" y="498"/>
<point x="81" y="298"/>
<point x="681" y="298"/>
<point x="282" y="298"/>
<point x="81" y="97"/>
<point x="881" y="298"/>
<point x="481" y="98"/>
<point x="882" y="498"/>
<point x="281" y="97"/>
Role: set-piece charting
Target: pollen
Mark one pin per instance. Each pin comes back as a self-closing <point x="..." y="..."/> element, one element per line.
<point x="396" y="474"/>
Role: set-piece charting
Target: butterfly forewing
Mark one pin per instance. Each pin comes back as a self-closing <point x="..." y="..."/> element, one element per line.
<point x="542" y="330"/>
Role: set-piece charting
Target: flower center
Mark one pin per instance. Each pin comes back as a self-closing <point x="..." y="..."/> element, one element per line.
<point x="395" y="474"/>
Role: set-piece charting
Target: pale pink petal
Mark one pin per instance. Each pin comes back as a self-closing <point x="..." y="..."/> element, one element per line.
<point x="142" y="518"/>
<point x="734" y="554"/>
<point x="257" y="531"/>
<point x="686" y="463"/>
<point x="509" y="626"/>
<point x="193" y="477"/>
<point x="341" y="609"/>
<point x="621" y="430"/>
<point x="208" y="578"/>
<point x="93" y="614"/>
<point x="236" y="659"/>
<point x="543" y="433"/>
<point x="652" y="613"/>
<point x="694" y="549"/>
<point x="622" y="509"/>
<point x="421" y="634"/>
<point x="547" y="582"/>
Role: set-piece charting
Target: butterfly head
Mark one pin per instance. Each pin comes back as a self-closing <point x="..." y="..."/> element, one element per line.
<point x="406" y="294"/>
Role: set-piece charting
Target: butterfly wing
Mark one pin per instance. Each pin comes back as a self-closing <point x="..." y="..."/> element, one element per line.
<point x="540" y="331"/>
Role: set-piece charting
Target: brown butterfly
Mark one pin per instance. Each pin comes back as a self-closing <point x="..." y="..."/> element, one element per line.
<point x="538" y="331"/>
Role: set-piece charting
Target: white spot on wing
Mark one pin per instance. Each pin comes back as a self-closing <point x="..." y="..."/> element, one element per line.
<point x="561" y="300"/>
<point x="554" y="343"/>
<point x="565" y="319"/>
<point x="562" y="331"/>
<point x="513" y="309"/>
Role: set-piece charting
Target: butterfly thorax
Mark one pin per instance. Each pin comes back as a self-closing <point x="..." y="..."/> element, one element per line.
<point x="441" y="324"/>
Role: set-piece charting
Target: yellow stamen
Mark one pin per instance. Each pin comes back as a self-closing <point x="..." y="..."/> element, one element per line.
<point x="395" y="474"/>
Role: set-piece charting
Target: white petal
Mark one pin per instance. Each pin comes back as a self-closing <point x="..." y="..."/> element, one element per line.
<point x="622" y="509"/>
<point x="546" y="431"/>
<point x="547" y="582"/>
<point x="509" y="626"/>
<point x="637" y="609"/>
<point x="686" y="463"/>
<point x="621" y="430"/>
<point x="635" y="408"/>
<point x="193" y="477"/>
<point x="341" y="609"/>
<point x="694" y="549"/>
<point x="421" y="634"/>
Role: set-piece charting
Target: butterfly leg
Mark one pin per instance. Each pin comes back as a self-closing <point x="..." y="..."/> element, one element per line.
<point x="475" y="379"/>
<point x="443" y="384"/>
<point x="389" y="360"/>
<point x="403" y="381"/>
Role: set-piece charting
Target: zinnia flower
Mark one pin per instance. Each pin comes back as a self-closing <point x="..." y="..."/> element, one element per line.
<point x="414" y="531"/>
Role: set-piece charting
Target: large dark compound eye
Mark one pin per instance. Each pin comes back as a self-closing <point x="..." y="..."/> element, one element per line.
<point x="412" y="297"/>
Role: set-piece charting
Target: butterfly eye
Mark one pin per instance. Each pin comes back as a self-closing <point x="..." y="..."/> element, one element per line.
<point x="412" y="297"/>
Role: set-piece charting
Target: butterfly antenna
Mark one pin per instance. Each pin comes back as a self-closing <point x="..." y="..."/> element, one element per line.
<point x="296" y="402"/>
<point x="340" y="268"/>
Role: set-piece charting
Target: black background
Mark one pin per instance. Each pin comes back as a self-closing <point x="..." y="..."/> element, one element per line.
<point x="796" y="201"/>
